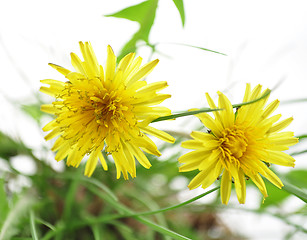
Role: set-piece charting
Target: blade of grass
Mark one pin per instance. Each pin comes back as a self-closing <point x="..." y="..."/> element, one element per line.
<point x="177" y="205"/>
<point x="32" y="226"/>
<point x="201" y="48"/>
<point x="266" y="93"/>
<point x="183" y="114"/>
<point x="147" y="222"/>
<point x="188" y="113"/>
<point x="14" y="215"/>
<point x="288" y="187"/>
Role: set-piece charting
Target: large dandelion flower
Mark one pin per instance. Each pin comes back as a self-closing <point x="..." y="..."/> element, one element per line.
<point x="239" y="145"/>
<point x="105" y="109"/>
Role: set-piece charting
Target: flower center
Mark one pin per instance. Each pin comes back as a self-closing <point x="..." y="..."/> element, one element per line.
<point x="233" y="143"/>
<point x="112" y="109"/>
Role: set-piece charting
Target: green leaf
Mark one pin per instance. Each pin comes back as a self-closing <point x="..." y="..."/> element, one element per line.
<point x="4" y="206"/>
<point x="295" y="191"/>
<point x="201" y="48"/>
<point x="297" y="178"/>
<point x="8" y="229"/>
<point x="32" y="225"/>
<point x="276" y="196"/>
<point x="301" y="137"/>
<point x="34" y="111"/>
<point x="143" y="13"/>
<point x="183" y="114"/>
<point x="180" y="7"/>
<point x="188" y="113"/>
<point x="10" y="147"/>
<point x="177" y="205"/>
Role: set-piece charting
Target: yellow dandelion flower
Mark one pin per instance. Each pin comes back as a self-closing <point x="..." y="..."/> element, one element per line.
<point x="239" y="145"/>
<point x="105" y="109"/>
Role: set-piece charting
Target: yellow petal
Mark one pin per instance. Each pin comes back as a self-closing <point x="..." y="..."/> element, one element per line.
<point x="272" y="177"/>
<point x="257" y="179"/>
<point x="77" y="63"/>
<point x="125" y="62"/>
<point x="152" y="87"/>
<point x="247" y="92"/>
<point x="110" y="65"/>
<point x="91" y="164"/>
<point x="213" y="106"/>
<point x="63" y="152"/>
<point x="227" y="115"/>
<point x="280" y="158"/>
<point x="241" y="187"/>
<point x="60" y="69"/>
<point x="103" y="161"/>
<point x="210" y="123"/>
<point x="192" y="144"/>
<point x="198" y="155"/>
<point x="189" y="166"/>
<point x="281" y="125"/>
<point x="142" y="73"/>
<point x="139" y="155"/>
<point x="158" y="133"/>
<point x="49" y="108"/>
<point x="270" y="109"/>
<point x="225" y="187"/>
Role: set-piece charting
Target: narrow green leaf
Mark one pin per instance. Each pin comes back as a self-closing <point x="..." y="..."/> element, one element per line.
<point x="127" y="211"/>
<point x="201" y="48"/>
<point x="43" y="222"/>
<point x="267" y="92"/>
<point x="183" y="114"/>
<point x="32" y="226"/>
<point x="34" y="111"/>
<point x="177" y="205"/>
<point x="276" y="196"/>
<point x="15" y="214"/>
<point x="4" y="206"/>
<point x="143" y="13"/>
<point x="180" y="7"/>
<point x="188" y="113"/>
<point x="9" y="147"/>
<point x="92" y="181"/>
<point x="297" y="178"/>
<point x="301" y="137"/>
<point x="100" y="185"/>
<point x="294" y="191"/>
<point x="70" y="199"/>
<point x="161" y="229"/>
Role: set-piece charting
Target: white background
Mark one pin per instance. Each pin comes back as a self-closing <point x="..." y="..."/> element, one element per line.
<point x="265" y="42"/>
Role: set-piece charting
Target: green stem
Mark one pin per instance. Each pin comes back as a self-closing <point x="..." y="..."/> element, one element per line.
<point x="175" y="206"/>
<point x="32" y="224"/>
<point x="189" y="113"/>
<point x="294" y="191"/>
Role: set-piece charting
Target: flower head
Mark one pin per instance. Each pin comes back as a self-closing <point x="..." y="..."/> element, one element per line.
<point x="239" y="145"/>
<point x="105" y="109"/>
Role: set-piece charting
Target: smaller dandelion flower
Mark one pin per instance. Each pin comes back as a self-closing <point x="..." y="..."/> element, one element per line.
<point x="239" y="145"/>
<point x="105" y="109"/>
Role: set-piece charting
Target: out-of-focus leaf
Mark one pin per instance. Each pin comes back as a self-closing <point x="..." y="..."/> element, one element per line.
<point x="34" y="111"/>
<point x="4" y="207"/>
<point x="297" y="178"/>
<point x="180" y="7"/>
<point x="201" y="48"/>
<point x="301" y="137"/>
<point x="10" y="147"/>
<point x="294" y="190"/>
<point x="276" y="196"/>
<point x="14" y="216"/>
<point x="143" y="13"/>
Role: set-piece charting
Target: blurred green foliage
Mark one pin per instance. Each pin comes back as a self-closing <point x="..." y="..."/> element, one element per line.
<point x="67" y="205"/>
